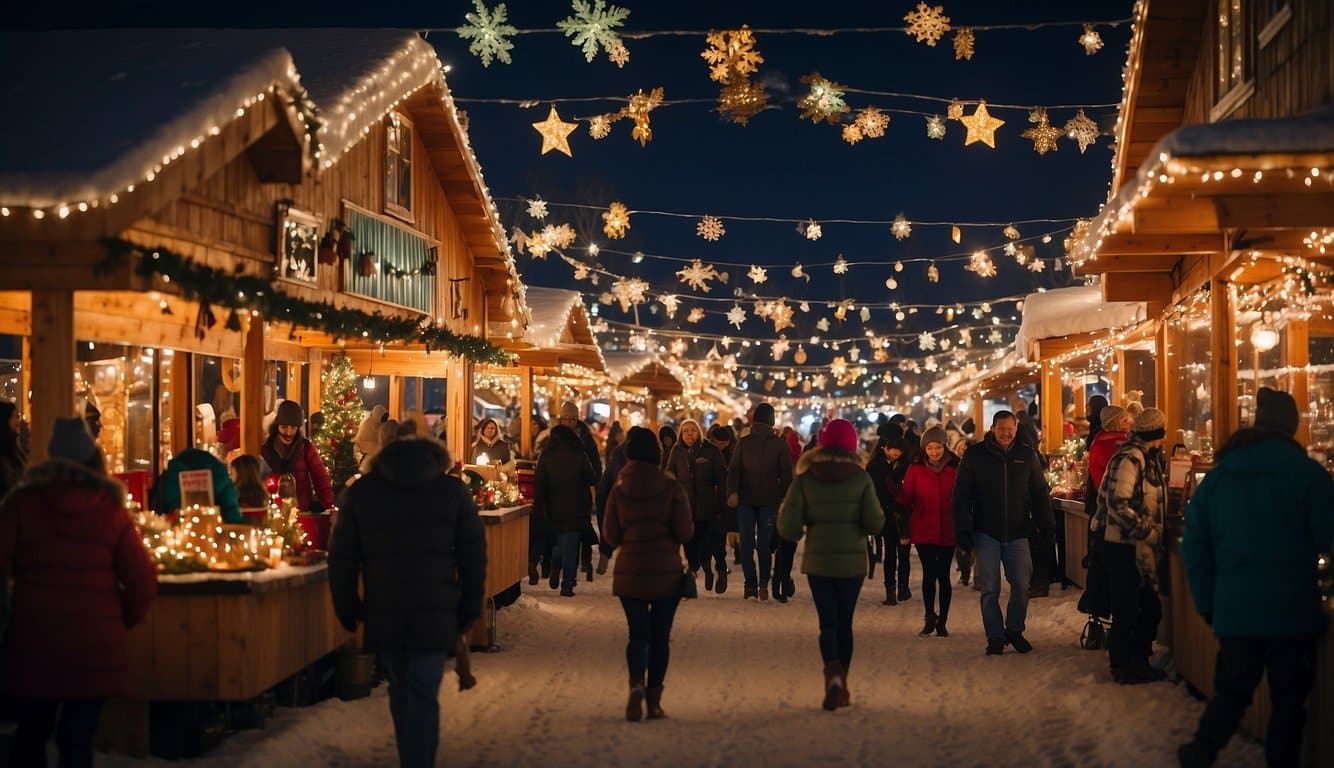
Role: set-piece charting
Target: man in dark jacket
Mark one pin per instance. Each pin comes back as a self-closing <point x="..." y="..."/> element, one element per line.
<point x="569" y="417"/>
<point x="412" y="535"/>
<point x="563" y="486"/>
<point x="757" y="480"/>
<point x="1000" y="494"/>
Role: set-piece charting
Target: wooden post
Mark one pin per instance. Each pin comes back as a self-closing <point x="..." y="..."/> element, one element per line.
<point x="52" y="349"/>
<point x="1118" y="377"/>
<point x="252" y="387"/>
<point x="458" y="412"/>
<point x="1051" y="407"/>
<point x="1222" y="342"/>
<point x="979" y="417"/>
<point x="315" y="381"/>
<point x="1297" y="355"/>
<point x="182" y="419"/>
<point x="396" y="393"/>
<point x="651" y="408"/>
<point x="526" y="410"/>
<point x="25" y="380"/>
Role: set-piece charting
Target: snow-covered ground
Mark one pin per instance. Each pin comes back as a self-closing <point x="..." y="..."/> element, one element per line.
<point x="744" y="688"/>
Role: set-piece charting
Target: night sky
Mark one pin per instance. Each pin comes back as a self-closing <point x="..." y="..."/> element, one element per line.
<point x="780" y="165"/>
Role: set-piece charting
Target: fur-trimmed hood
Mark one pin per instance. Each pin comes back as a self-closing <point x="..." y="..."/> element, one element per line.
<point x="62" y="473"/>
<point x="829" y="465"/>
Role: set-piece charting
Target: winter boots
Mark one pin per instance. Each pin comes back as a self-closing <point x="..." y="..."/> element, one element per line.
<point x="764" y="594"/>
<point x="779" y="594"/>
<point x="532" y="574"/>
<point x="603" y="560"/>
<point x="708" y="578"/>
<point x="890" y="598"/>
<point x="720" y="585"/>
<point x="1018" y="641"/>
<point x="904" y="593"/>
<point x="634" y="708"/>
<point x="654" y="705"/>
<point x="835" y="686"/>
<point x="930" y="626"/>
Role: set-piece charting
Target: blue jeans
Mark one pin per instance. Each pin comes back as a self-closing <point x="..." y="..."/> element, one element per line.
<point x="414" y="703"/>
<point x="756" y="526"/>
<point x="649" y="647"/>
<point x="566" y="557"/>
<point x="835" y="600"/>
<point x="990" y="554"/>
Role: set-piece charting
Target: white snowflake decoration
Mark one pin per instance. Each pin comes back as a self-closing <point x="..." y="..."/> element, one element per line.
<point x="995" y="336"/>
<point x="927" y="24"/>
<point x="488" y="33"/>
<point x="559" y="235"/>
<point x="1083" y="130"/>
<point x="618" y="54"/>
<point x="757" y="274"/>
<point x="930" y="366"/>
<point x="780" y="348"/>
<point x="736" y="315"/>
<point x="840" y="265"/>
<point x="1036" y="265"/>
<point x="695" y="315"/>
<point x="811" y="230"/>
<point x="1011" y="250"/>
<point x="926" y="341"/>
<point x="804" y="306"/>
<point x="935" y="127"/>
<point x="839" y="366"/>
<point x="710" y="228"/>
<point x="872" y="122"/>
<point x="537" y="208"/>
<point x="520" y="239"/>
<point x="981" y="264"/>
<point x="697" y="275"/>
<point x="580" y="271"/>
<point x="901" y="227"/>
<point x="823" y="324"/>
<point x="1091" y="40"/>
<point x="599" y="126"/>
<point x="593" y="26"/>
<point x="670" y="302"/>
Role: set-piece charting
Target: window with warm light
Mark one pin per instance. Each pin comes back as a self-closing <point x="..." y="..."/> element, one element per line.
<point x="398" y="166"/>
<point x="1232" y="85"/>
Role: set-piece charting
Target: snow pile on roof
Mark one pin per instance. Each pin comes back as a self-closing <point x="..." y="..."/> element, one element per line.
<point x="623" y="365"/>
<point x="1067" y="311"/>
<point x="550" y="309"/>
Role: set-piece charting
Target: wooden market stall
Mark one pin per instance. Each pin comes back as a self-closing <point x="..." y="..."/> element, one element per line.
<point x="642" y="379"/>
<point x="1219" y="219"/>
<point x="974" y="386"/>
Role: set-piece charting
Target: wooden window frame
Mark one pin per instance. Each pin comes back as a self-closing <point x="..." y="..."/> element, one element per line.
<point x="1273" y="25"/>
<point x="392" y="206"/>
<point x="1241" y="89"/>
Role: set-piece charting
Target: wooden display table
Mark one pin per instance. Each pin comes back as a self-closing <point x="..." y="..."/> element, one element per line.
<point x="1076" y="528"/>
<point x="506" y="565"/>
<point x="223" y="637"/>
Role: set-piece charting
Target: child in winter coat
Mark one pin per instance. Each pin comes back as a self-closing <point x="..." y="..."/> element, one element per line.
<point x="928" y="489"/>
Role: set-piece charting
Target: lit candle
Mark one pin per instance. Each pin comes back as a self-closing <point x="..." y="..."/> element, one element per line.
<point x="275" y="556"/>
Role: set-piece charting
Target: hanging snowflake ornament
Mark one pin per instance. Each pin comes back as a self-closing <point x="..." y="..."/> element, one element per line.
<point x="779" y="348"/>
<point x="537" y="208"/>
<point x="824" y="102"/>
<point x="980" y="264"/>
<point x="852" y="133"/>
<point x="1011" y="232"/>
<point x="781" y="315"/>
<point x="995" y="336"/>
<point x="872" y="122"/>
<point x="1091" y="40"/>
<point x="926" y="341"/>
<point x="933" y="273"/>
<point x="757" y="274"/>
<point x="710" y="228"/>
<point x="840" y="265"/>
<point x="822" y="324"/>
<point x="955" y="110"/>
<point x="901" y="227"/>
<point x="520" y="239"/>
<point x="538" y="246"/>
<point x="731" y="54"/>
<point x="599" y="126"/>
<point x="560" y="235"/>
<point x="697" y="275"/>
<point x="935" y="127"/>
<point x="593" y="26"/>
<point x="839" y="366"/>
<point x="736" y="315"/>
<point x="670" y="302"/>
<point x="742" y="100"/>
<point x="799" y="271"/>
<point x="616" y="221"/>
<point x="1036" y="265"/>
<point x="629" y="291"/>
<point x="1083" y="130"/>
<point x="1011" y="250"/>
<point x="927" y="24"/>
<point x="1043" y="135"/>
<point x="619" y="55"/>
<point x="930" y="365"/>
<point x="811" y="230"/>
<point x="981" y="126"/>
<point x="696" y="314"/>
<point x="580" y="271"/>
<point x="488" y="33"/>
<point x="963" y="43"/>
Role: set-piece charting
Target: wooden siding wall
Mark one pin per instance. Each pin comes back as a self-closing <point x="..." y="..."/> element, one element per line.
<point x="1293" y="73"/>
<point x="234" y="212"/>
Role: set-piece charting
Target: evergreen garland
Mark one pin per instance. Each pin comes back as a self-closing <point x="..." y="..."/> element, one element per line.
<point x="343" y="412"/>
<point x="211" y="286"/>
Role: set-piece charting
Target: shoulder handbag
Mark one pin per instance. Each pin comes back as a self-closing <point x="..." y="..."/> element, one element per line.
<point x="688" y="589"/>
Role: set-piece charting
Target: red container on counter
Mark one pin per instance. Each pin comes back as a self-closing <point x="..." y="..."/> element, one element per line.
<point x="317" y="528"/>
<point x="136" y="485"/>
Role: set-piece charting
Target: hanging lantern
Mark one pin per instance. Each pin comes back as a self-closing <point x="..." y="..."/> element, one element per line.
<point x="1264" y="336"/>
<point x="800" y="355"/>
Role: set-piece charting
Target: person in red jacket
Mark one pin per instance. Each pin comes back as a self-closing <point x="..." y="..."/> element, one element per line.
<point x="82" y="578"/>
<point x="1115" y="429"/>
<point x="288" y="452"/>
<point x="928" y="488"/>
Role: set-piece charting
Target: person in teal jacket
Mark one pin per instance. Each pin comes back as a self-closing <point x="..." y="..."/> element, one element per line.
<point x="224" y="491"/>
<point x="1254" y="529"/>
<point x="833" y="503"/>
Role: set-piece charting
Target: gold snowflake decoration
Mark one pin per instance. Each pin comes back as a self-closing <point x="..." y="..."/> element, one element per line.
<point x="670" y="302"/>
<point x="1036" y="265"/>
<point x="839" y="366"/>
<point x="710" y="228"/>
<point x="841" y="265"/>
<point x="731" y="54"/>
<point x="935" y="127"/>
<point x="599" y="126"/>
<point x="822" y="324"/>
<point x="781" y="315"/>
<point x="1091" y="40"/>
<point x="629" y="291"/>
<point x="741" y="100"/>
<point x="736" y="315"/>
<point x="901" y="227"/>
<point x="757" y="274"/>
<point x="1044" y="134"/>
<point x="955" y="110"/>
<point x="559" y="235"/>
<point x="872" y="122"/>
<point x="618" y="54"/>
<point x="927" y="24"/>
<point x="825" y="100"/>
<point x="537" y="208"/>
<point x="697" y="275"/>
<point x="695" y="315"/>
<point x="980" y="264"/>
<point x="779" y="348"/>
<point x="616" y="221"/>
<point x="641" y="104"/>
<point x="963" y="43"/>
<point x="580" y="271"/>
<point x="812" y="231"/>
<point x="1083" y="130"/>
<point x="852" y="133"/>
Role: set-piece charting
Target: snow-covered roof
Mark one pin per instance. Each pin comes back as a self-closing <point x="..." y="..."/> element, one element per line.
<point x="1067" y="311"/>
<point x="971" y="378"/>
<point x="550" y="309"/>
<point x="623" y="365"/>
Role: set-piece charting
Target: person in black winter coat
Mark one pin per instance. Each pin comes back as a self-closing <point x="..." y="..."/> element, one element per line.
<point x="999" y="495"/>
<point x="411" y="535"/>
<point x="887" y="468"/>
<point x="698" y="466"/>
<point x="562" y="496"/>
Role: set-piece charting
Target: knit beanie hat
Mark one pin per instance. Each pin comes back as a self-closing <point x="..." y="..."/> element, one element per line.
<point x="642" y="445"/>
<point x="70" y="439"/>
<point x="1151" y="424"/>
<point x="839" y="434"/>
<point x="721" y="433"/>
<point x="764" y="414"/>
<point x="289" y="414"/>
<point x="1276" y="410"/>
<point x="568" y="410"/>
<point x="1112" y="415"/>
<point x="934" y="435"/>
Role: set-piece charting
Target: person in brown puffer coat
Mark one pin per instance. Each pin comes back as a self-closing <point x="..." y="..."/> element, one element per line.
<point x="647" y="520"/>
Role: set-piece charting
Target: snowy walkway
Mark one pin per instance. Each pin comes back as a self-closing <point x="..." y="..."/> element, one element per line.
<point x="744" y="689"/>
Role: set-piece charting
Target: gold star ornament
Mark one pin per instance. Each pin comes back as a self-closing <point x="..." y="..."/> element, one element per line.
<point x="555" y="133"/>
<point x="981" y="126"/>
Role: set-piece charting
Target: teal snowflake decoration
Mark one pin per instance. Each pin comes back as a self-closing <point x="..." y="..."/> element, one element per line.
<point x="593" y="27"/>
<point x="489" y="33"/>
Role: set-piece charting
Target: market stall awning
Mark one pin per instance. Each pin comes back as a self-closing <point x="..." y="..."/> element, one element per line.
<point x="1067" y="312"/>
<point x="558" y="332"/>
<point x="647" y="371"/>
<point x="1002" y="375"/>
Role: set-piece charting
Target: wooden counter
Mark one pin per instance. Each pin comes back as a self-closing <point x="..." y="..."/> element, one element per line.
<point x="1076" y="527"/>
<point x="506" y="565"/>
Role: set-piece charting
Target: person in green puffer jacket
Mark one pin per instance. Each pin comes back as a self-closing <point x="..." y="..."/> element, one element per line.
<point x="833" y="503"/>
<point x="1254" y="530"/>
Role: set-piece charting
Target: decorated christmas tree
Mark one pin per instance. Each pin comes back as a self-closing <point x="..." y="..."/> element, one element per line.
<point x="343" y="412"/>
